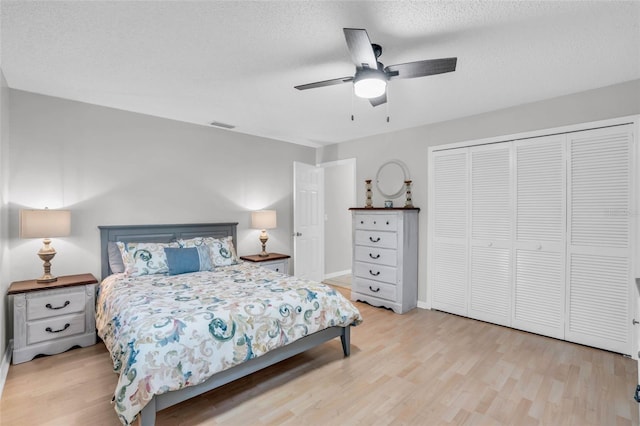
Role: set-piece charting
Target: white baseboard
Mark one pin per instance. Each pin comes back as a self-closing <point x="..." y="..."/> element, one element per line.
<point x="4" y="365"/>
<point x="337" y="274"/>
<point x="423" y="305"/>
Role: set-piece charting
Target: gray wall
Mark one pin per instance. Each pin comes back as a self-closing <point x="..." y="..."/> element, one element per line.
<point x="411" y="145"/>
<point x="339" y="181"/>
<point x="111" y="167"/>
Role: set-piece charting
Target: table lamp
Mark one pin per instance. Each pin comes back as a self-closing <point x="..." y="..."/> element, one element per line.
<point x="45" y="224"/>
<point x="263" y="219"/>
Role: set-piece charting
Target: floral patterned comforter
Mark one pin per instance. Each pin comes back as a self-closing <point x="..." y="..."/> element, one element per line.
<point x="168" y="332"/>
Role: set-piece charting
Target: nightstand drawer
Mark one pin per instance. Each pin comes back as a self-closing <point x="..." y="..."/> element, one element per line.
<point x="55" y="328"/>
<point x="55" y="302"/>
<point x="276" y="266"/>
<point x="274" y="261"/>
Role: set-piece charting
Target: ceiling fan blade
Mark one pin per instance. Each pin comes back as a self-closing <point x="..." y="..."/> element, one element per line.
<point x="360" y="48"/>
<point x="324" y="83"/>
<point x="379" y="100"/>
<point x="421" y="68"/>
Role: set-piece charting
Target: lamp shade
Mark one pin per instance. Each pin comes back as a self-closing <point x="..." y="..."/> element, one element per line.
<point x="45" y="223"/>
<point x="263" y="219"/>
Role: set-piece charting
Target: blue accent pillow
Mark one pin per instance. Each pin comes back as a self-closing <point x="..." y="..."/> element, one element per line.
<point x="182" y="260"/>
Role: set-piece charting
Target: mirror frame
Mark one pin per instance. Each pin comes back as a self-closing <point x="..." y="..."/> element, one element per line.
<point x="405" y="171"/>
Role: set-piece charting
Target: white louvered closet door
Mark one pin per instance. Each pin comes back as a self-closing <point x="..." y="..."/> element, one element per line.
<point x="491" y="226"/>
<point x="540" y="235"/>
<point x="449" y="192"/>
<point x="599" y="296"/>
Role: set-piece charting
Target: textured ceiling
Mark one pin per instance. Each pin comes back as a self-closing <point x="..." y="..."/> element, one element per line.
<point x="237" y="62"/>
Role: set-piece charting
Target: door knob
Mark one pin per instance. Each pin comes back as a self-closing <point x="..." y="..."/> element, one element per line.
<point x="297" y="234"/>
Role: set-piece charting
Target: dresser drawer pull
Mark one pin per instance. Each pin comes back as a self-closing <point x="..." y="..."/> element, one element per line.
<point x="376" y="274"/>
<point x="377" y="256"/>
<point x="66" y="303"/>
<point x="48" y="329"/>
<point x="361" y="222"/>
<point x="374" y="241"/>
<point x="375" y="291"/>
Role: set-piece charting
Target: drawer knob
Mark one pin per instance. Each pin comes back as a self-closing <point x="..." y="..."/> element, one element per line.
<point x="374" y="222"/>
<point x="376" y="274"/>
<point x="67" y="325"/>
<point x="387" y="222"/>
<point x="375" y="291"/>
<point x="374" y="241"/>
<point x="361" y="222"/>
<point x="377" y="256"/>
<point x="48" y="305"/>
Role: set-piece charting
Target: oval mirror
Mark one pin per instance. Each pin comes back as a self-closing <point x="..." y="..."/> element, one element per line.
<point x="390" y="178"/>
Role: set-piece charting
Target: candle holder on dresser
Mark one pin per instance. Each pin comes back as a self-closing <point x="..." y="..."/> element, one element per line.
<point x="369" y="203"/>
<point x="408" y="203"/>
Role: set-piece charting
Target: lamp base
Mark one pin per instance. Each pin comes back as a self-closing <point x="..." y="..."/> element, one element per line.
<point x="263" y="239"/>
<point x="47" y="253"/>
<point x="46" y="278"/>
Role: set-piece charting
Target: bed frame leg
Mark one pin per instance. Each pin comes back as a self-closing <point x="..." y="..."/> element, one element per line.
<point x="346" y="340"/>
<point x="147" y="416"/>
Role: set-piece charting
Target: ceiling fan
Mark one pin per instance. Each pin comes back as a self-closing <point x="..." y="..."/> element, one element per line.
<point x="370" y="79"/>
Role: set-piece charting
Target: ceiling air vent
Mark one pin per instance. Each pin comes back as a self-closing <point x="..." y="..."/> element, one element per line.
<point x="222" y="125"/>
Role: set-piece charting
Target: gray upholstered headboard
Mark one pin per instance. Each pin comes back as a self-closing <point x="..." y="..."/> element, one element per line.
<point x="159" y="234"/>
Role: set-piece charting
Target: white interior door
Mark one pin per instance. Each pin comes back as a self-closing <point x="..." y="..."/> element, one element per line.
<point x="308" y="221"/>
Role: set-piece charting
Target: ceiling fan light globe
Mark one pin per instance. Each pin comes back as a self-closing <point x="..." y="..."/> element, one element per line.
<point x="370" y="87"/>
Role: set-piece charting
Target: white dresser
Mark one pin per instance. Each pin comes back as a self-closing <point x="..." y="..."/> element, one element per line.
<point x="385" y="257"/>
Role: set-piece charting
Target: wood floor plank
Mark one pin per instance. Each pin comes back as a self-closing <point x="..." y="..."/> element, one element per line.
<point x="424" y="367"/>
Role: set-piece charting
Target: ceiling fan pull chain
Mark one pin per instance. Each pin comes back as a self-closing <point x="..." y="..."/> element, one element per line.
<point x="388" y="102"/>
<point x="352" y="96"/>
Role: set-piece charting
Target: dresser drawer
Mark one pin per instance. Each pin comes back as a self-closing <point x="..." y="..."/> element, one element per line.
<point x="375" y="289"/>
<point x="377" y="222"/>
<point x="53" y="303"/>
<point x="376" y="272"/>
<point x="55" y="328"/>
<point x="376" y="239"/>
<point x="379" y="256"/>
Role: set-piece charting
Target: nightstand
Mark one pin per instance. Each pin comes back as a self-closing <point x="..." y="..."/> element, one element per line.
<point x="275" y="261"/>
<point x="51" y="318"/>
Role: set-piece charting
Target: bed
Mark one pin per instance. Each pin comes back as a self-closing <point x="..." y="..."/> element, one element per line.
<point x="173" y="337"/>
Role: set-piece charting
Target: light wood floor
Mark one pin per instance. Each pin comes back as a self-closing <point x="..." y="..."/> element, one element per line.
<point x="424" y="367"/>
<point x="343" y="281"/>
